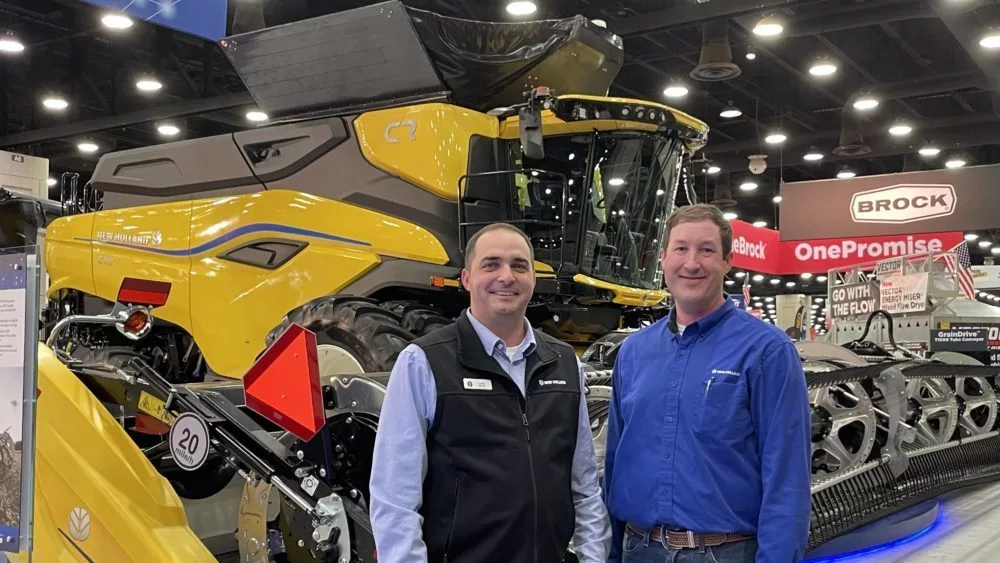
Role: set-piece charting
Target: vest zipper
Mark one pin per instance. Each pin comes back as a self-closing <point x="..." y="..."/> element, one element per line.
<point x="454" y="517"/>
<point x="531" y="465"/>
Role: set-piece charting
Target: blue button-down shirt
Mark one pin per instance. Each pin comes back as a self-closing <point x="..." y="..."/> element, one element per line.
<point x="399" y="462"/>
<point x="709" y="431"/>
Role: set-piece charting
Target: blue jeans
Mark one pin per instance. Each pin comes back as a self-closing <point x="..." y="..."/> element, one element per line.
<point x="639" y="549"/>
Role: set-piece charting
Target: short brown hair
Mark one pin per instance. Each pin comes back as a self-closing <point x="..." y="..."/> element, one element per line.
<point x="470" y="247"/>
<point x="702" y="212"/>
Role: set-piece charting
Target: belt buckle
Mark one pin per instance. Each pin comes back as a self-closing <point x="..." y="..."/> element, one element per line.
<point x="691" y="543"/>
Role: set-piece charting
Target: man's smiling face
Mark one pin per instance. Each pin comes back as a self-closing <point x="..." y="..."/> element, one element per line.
<point x="694" y="267"/>
<point x="501" y="277"/>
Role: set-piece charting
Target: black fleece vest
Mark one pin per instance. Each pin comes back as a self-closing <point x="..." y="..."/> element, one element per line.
<point x="498" y="485"/>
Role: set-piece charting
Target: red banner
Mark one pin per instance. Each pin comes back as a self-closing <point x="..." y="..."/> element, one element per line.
<point x="761" y="250"/>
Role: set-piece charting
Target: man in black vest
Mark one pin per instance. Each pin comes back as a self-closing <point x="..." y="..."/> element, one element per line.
<point x="484" y="452"/>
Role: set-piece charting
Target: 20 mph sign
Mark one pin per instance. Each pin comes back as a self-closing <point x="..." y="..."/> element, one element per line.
<point x="189" y="441"/>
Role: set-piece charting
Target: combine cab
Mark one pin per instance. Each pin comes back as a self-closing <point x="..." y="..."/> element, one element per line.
<point x="392" y="145"/>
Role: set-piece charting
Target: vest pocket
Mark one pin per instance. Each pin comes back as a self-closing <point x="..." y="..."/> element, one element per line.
<point x="454" y="519"/>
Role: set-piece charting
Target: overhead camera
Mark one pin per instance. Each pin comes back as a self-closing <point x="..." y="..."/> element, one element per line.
<point x="758" y="163"/>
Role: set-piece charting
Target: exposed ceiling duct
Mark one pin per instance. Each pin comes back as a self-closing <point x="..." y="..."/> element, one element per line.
<point x="852" y="142"/>
<point x="716" y="61"/>
<point x="724" y="194"/>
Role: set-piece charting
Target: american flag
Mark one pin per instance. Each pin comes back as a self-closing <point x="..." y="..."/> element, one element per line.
<point x="958" y="261"/>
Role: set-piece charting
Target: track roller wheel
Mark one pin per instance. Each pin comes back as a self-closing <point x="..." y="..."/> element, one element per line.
<point x="353" y="334"/>
<point x="418" y="318"/>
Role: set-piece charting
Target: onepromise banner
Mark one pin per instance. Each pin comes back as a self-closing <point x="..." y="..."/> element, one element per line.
<point x="928" y="201"/>
<point x="761" y="249"/>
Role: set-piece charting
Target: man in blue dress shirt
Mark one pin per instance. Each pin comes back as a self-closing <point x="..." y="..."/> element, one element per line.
<point x="484" y="452"/>
<point x="708" y="452"/>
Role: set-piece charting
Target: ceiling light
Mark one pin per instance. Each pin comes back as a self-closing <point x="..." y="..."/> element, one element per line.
<point x="116" y="21"/>
<point x="845" y="174"/>
<point x="51" y="182"/>
<point x="256" y="116"/>
<point x="521" y="8"/>
<point x="714" y="169"/>
<point x="821" y="279"/>
<point x="929" y="151"/>
<point x="729" y="215"/>
<point x="776" y="199"/>
<point x="168" y="130"/>
<point x="775" y="138"/>
<point x="900" y="129"/>
<point x="774" y="281"/>
<point x="984" y="243"/>
<point x="740" y="274"/>
<point x="730" y="282"/>
<point x="10" y="44"/>
<point x="148" y="85"/>
<point x="971" y="236"/>
<point x="995" y="250"/>
<point x="790" y="284"/>
<point x="806" y="275"/>
<point x="760" y="224"/>
<point x="616" y="182"/>
<point x="751" y="56"/>
<point x="813" y="155"/>
<point x="88" y="147"/>
<point x="768" y="27"/>
<point x="675" y="91"/>
<point x="990" y="41"/>
<point x="865" y="103"/>
<point x="748" y="186"/>
<point x="55" y="103"/>
<point x="730" y="111"/>
<point x="823" y="67"/>
<point x="955" y="163"/>
<point x="758" y="278"/>
<point x="769" y="299"/>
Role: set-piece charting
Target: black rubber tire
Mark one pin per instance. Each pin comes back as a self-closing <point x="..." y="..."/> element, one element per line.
<point x="418" y="318"/>
<point x="372" y="334"/>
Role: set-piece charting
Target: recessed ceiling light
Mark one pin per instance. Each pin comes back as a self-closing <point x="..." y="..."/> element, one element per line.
<point x="714" y="169"/>
<point x="813" y="155"/>
<point x="55" y="103"/>
<point x="256" y="116"/>
<point x="148" y="84"/>
<point x="87" y="147"/>
<point x="776" y="199"/>
<point x="675" y="91"/>
<point x="760" y="224"/>
<point x="774" y="281"/>
<point x="521" y="8"/>
<point x="116" y="21"/>
<point x="971" y="236"/>
<point x="929" y="151"/>
<point x="168" y="130"/>
<point x="824" y="67"/>
<point x="10" y="44"/>
<point x="768" y="27"/>
<point x="729" y="215"/>
<point x="730" y="282"/>
<point x="790" y="284"/>
<point x="955" y="163"/>
<point x="599" y="23"/>
<point x="845" y="174"/>
<point x="995" y="250"/>
<point x="865" y="103"/>
<point x="990" y="41"/>
<point x="748" y="186"/>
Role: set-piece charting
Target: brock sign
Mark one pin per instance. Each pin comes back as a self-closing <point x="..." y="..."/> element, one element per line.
<point x="903" y="203"/>
<point x="931" y="201"/>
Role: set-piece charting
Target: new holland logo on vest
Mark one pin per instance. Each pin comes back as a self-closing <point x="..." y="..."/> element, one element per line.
<point x="903" y="203"/>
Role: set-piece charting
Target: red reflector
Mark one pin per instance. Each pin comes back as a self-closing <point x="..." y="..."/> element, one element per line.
<point x="143" y="292"/>
<point x="283" y="385"/>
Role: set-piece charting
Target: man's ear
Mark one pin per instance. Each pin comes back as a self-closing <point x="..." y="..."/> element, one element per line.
<point x="465" y="279"/>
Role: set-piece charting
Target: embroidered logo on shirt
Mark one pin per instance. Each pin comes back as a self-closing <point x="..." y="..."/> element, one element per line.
<point x="552" y="382"/>
<point x="725" y="372"/>
<point x="478" y="384"/>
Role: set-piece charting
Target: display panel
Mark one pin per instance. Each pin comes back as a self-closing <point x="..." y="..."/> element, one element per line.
<point x="203" y="18"/>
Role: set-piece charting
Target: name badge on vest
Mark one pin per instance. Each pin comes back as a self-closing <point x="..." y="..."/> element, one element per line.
<point x="478" y="384"/>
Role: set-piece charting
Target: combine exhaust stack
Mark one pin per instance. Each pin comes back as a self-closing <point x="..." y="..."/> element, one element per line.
<point x="389" y="54"/>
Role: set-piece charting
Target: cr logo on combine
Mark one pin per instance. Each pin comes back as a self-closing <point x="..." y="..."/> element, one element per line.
<point x="904" y="203"/>
<point x="408" y="123"/>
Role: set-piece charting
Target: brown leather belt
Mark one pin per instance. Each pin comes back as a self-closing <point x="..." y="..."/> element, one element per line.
<point x="687" y="539"/>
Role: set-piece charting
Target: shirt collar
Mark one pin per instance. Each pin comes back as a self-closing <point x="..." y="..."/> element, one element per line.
<point x="492" y="342"/>
<point x="706" y="323"/>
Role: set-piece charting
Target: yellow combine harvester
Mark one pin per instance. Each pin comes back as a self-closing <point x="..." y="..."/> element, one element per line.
<point x="396" y="134"/>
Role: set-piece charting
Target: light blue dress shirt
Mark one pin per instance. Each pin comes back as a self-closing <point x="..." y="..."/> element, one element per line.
<point x="399" y="462"/>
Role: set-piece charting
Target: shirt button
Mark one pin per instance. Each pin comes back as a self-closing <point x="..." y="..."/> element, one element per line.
<point x="683" y="352"/>
<point x="674" y="384"/>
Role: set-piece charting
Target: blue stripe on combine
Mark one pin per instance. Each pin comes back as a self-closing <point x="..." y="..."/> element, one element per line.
<point x="223" y="239"/>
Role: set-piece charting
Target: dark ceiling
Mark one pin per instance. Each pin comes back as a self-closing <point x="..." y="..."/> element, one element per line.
<point x="921" y="59"/>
